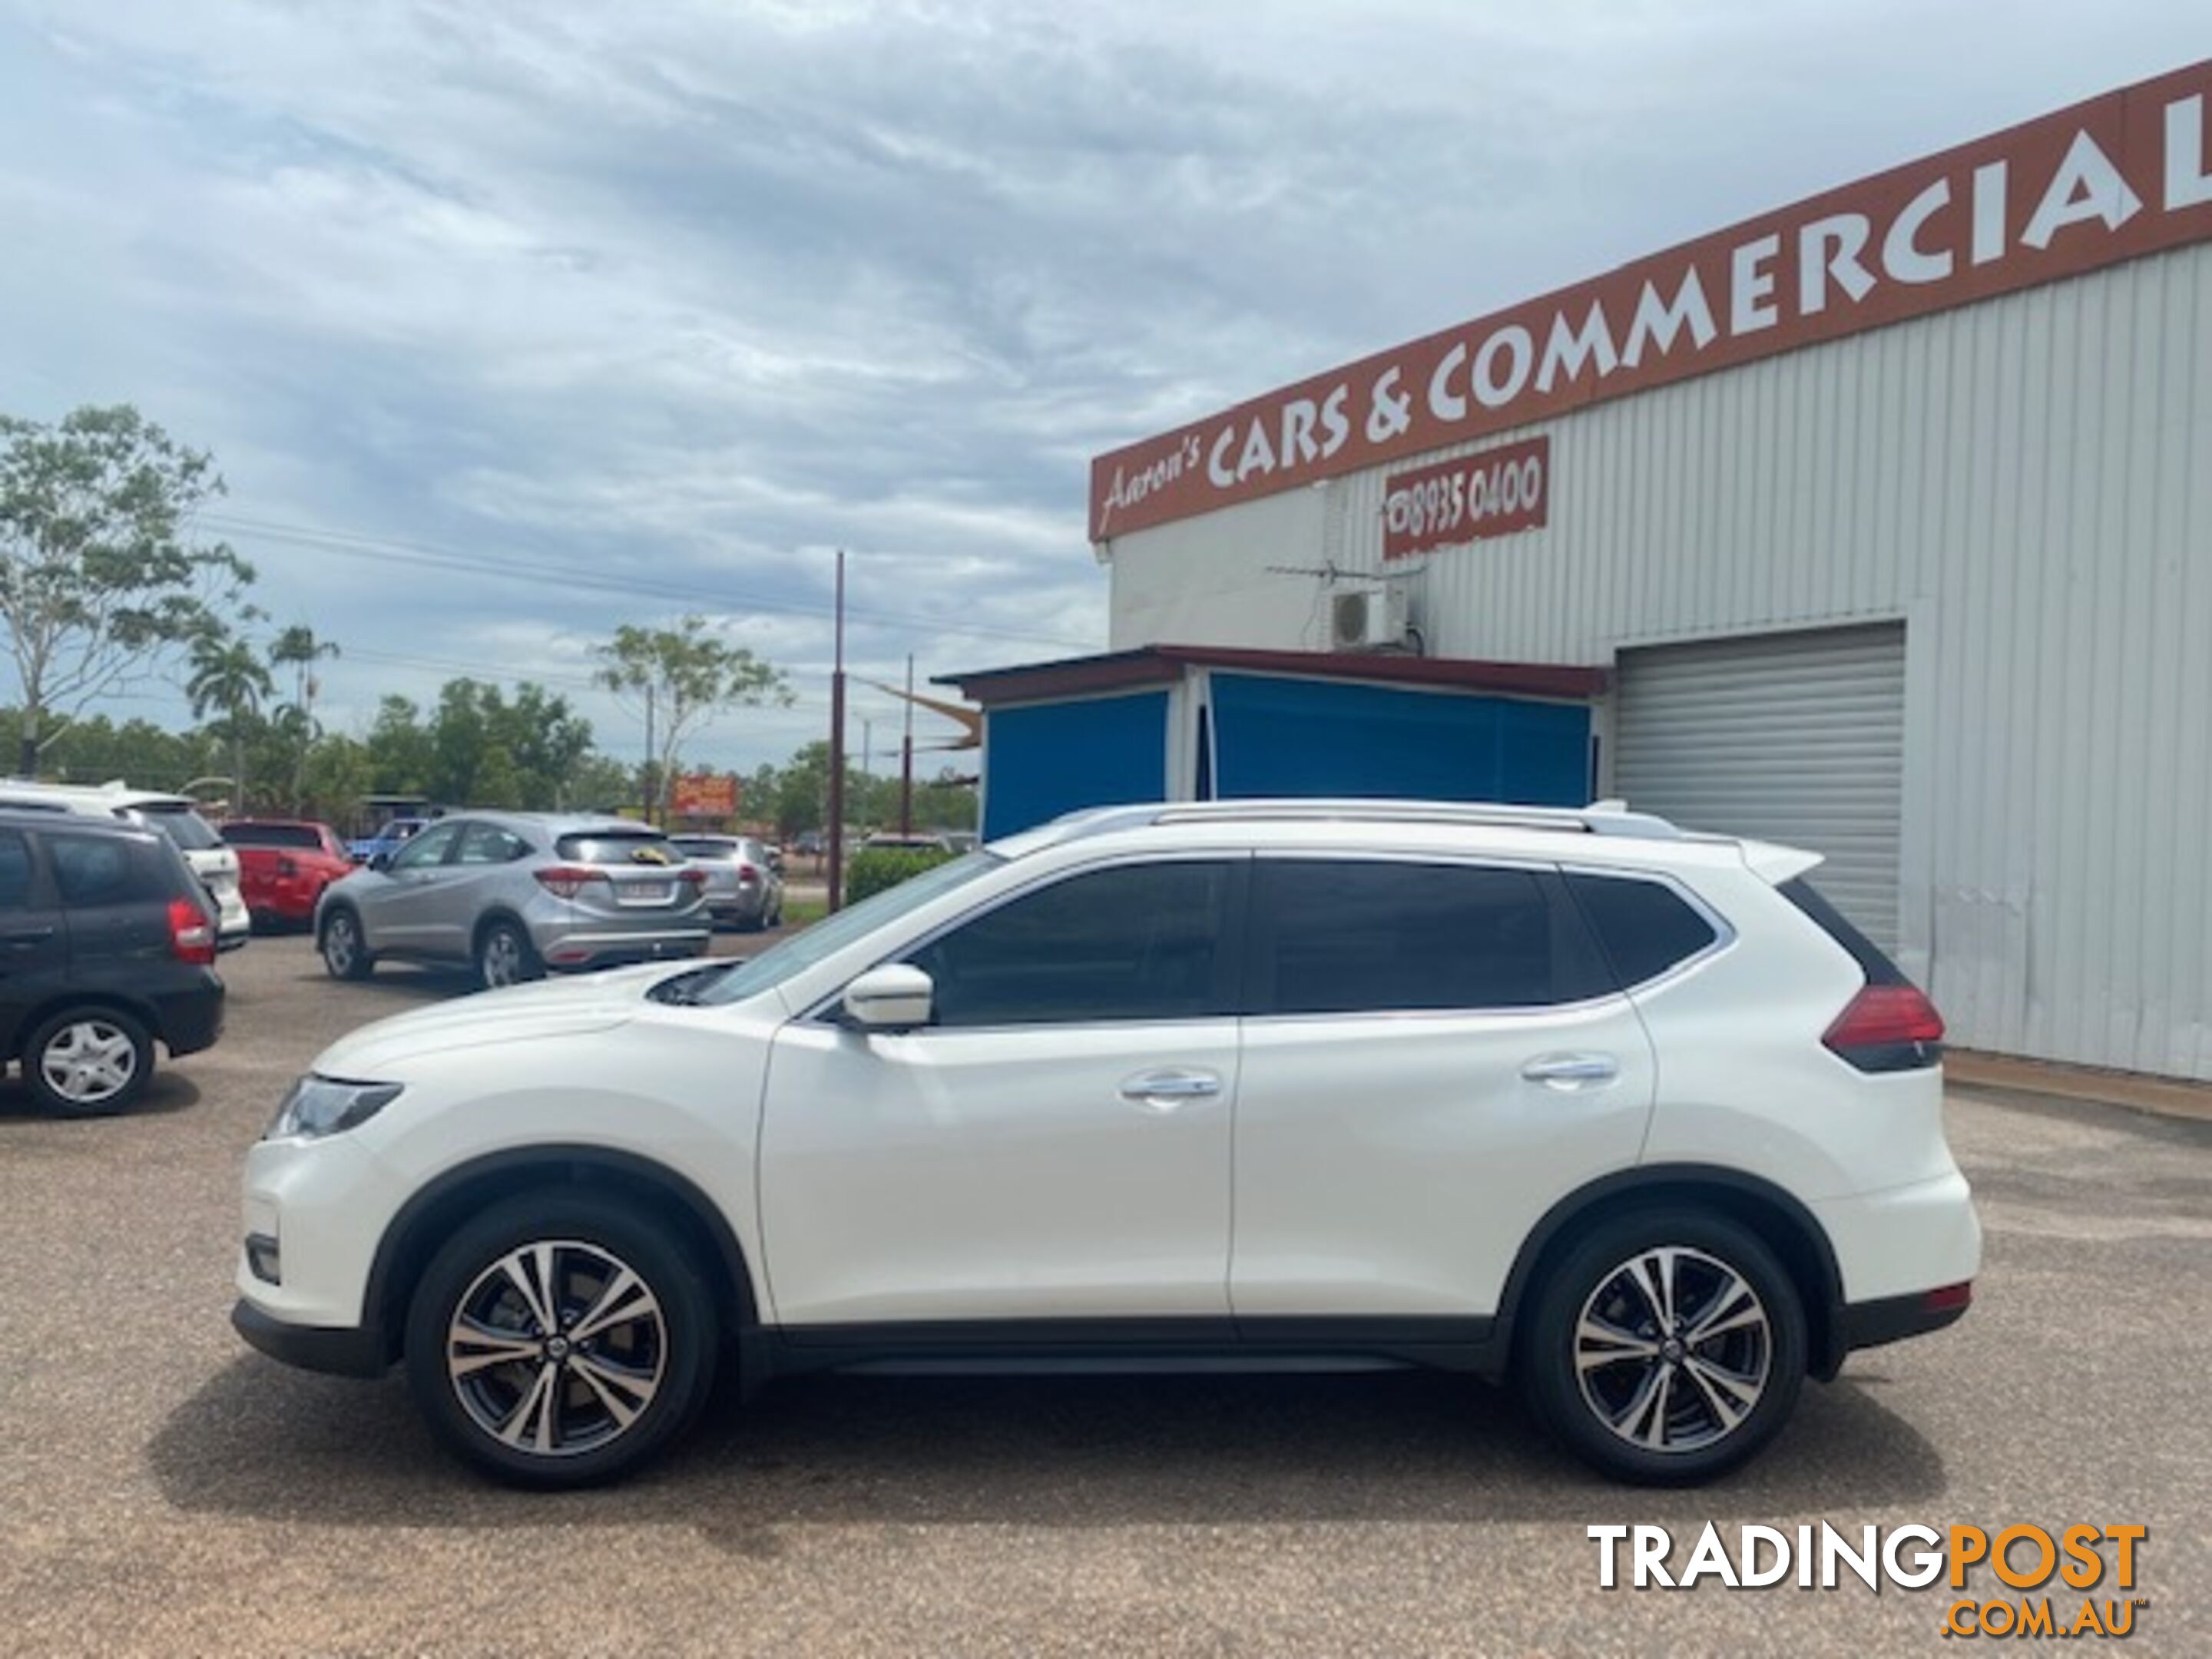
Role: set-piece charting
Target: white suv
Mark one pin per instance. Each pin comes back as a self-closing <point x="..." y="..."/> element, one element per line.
<point x="1628" y="1114"/>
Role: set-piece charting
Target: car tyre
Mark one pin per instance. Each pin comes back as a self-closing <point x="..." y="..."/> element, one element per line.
<point x="88" y="1062"/>
<point x="506" y="957"/>
<point x="345" y="951"/>
<point x="620" y="1361"/>
<point x="1616" y="1368"/>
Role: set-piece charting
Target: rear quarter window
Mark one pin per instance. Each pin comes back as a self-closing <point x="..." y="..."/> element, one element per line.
<point x="92" y="870"/>
<point x="1644" y="927"/>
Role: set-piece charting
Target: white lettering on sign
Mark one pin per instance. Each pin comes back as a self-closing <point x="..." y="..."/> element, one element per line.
<point x="1493" y="492"/>
<point x="2120" y="177"/>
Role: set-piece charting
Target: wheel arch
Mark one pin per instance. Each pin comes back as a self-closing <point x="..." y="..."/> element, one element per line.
<point x="62" y="1002"/>
<point x="1786" y="1225"/>
<point x="429" y="1217"/>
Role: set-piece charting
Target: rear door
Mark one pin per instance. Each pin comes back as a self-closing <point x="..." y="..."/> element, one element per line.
<point x="33" y="937"/>
<point x="1437" y="1053"/>
<point x="483" y="876"/>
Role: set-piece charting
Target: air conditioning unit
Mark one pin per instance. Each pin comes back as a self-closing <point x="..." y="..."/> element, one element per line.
<point x="1371" y="616"/>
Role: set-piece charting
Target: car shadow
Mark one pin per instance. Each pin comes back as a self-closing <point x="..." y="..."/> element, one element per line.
<point x="169" y="1090"/>
<point x="261" y="1441"/>
<point x="401" y="982"/>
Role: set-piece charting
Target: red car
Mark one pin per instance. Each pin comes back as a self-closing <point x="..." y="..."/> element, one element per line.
<point x="283" y="866"/>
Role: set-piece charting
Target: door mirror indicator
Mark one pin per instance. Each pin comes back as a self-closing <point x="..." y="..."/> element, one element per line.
<point x="896" y="997"/>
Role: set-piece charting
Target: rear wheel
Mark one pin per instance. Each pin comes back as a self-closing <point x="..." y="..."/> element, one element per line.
<point x="505" y="957"/>
<point x="1666" y="1348"/>
<point x="345" y="953"/>
<point x="561" y="1340"/>
<point x="87" y="1063"/>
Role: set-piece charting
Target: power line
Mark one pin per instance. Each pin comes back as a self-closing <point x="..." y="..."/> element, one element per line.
<point x="430" y="556"/>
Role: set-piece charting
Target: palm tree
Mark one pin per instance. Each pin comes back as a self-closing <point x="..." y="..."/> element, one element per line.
<point x="298" y="649"/>
<point x="227" y="676"/>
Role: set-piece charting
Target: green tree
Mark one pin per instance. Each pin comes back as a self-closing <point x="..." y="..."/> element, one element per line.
<point x="680" y="678"/>
<point x="228" y="678"/>
<point x="399" y="757"/>
<point x="101" y="581"/>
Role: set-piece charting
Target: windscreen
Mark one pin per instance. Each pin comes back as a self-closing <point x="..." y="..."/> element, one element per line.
<point x="708" y="852"/>
<point x="647" y="846"/>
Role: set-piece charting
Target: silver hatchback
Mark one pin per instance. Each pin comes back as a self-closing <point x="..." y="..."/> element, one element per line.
<point x="744" y="883"/>
<point x="517" y="895"/>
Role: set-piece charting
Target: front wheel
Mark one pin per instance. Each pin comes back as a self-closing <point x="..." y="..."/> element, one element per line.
<point x="87" y="1063"/>
<point x="560" y="1339"/>
<point x="345" y="953"/>
<point x="1666" y="1348"/>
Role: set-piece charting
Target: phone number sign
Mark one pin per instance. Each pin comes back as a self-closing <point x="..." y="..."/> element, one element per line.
<point x="1469" y="498"/>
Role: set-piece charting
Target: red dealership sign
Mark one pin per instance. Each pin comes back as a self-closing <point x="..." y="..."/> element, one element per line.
<point x="1493" y="492"/>
<point x="2118" y="177"/>
<point x="703" y="795"/>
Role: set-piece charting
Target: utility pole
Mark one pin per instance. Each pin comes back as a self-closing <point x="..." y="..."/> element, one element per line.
<point x="867" y="746"/>
<point x="837" y="808"/>
<point x="650" y="778"/>
<point x="906" y="757"/>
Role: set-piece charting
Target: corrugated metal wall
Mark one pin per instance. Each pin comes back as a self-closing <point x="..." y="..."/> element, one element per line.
<point x="2026" y="483"/>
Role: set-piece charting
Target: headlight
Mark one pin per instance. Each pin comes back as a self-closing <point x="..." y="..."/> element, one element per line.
<point x="317" y="1106"/>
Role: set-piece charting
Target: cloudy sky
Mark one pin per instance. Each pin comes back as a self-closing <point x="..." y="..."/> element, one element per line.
<point x="511" y="322"/>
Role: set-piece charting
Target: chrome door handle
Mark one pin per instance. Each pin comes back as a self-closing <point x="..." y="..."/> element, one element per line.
<point x="1572" y="1071"/>
<point x="1164" y="1091"/>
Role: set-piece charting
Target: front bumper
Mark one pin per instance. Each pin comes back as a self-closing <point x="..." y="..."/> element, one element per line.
<point x="340" y="1350"/>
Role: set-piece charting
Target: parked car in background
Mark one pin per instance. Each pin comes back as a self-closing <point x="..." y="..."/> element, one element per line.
<point x="515" y="895"/>
<point x="394" y="834"/>
<point x="176" y="817"/>
<point x="744" y="878"/>
<point x="108" y="942"/>
<point x="1630" y="1116"/>
<point x="284" y="865"/>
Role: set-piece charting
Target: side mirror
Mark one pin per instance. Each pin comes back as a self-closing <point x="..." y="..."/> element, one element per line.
<point x="380" y="860"/>
<point x="895" y="997"/>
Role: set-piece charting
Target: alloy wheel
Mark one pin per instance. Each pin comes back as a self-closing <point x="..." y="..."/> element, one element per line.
<point x="1673" y="1349"/>
<point x="557" y="1348"/>
<point x="502" y="959"/>
<point x="88" y="1061"/>
<point x="340" y="943"/>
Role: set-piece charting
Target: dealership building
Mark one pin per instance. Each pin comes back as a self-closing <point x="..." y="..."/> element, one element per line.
<point x="1881" y="525"/>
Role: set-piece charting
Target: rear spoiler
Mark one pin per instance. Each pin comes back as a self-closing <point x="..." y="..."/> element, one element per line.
<point x="1775" y="865"/>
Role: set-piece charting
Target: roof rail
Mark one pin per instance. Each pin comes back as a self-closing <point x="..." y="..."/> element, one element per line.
<point x="1605" y="817"/>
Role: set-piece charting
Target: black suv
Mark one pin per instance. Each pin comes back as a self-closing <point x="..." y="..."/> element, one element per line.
<point x="107" y="943"/>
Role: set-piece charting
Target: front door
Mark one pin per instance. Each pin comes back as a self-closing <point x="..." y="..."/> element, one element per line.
<point x="407" y="913"/>
<point x="1437" y="1053"/>
<point x="1054" y="1146"/>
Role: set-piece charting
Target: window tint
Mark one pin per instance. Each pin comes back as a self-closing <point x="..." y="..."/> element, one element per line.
<point x="273" y="835"/>
<point x="428" y="848"/>
<point x="1342" y="936"/>
<point x="1139" y="942"/>
<point x="707" y="852"/>
<point x="618" y="847"/>
<point x="486" y="844"/>
<point x="1644" y="927"/>
<point x="179" y="822"/>
<point x="15" y="872"/>
<point x="101" y="870"/>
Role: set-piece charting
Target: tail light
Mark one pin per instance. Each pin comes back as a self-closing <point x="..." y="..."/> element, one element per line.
<point x="748" y="872"/>
<point x="566" y="880"/>
<point x="191" y="935"/>
<point x="692" y="876"/>
<point x="1887" y="1028"/>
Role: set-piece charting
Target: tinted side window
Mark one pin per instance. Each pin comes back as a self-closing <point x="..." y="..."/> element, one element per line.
<point x="1645" y="928"/>
<point x="1138" y="942"/>
<point x="14" y="871"/>
<point x="428" y="848"/>
<point x="1343" y="936"/>
<point x="486" y="844"/>
<point x="101" y="870"/>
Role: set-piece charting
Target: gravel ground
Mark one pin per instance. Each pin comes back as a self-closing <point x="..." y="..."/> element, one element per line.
<point x="164" y="1489"/>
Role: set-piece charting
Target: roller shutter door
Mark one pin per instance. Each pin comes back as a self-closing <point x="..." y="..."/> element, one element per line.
<point x="1793" y="737"/>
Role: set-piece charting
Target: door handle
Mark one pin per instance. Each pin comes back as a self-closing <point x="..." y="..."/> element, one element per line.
<point x="23" y="939"/>
<point x="1164" y="1091"/>
<point x="1572" y="1071"/>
